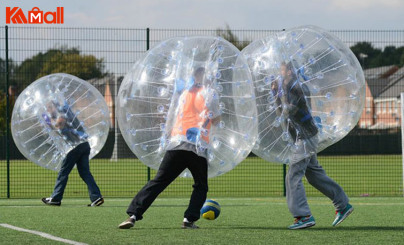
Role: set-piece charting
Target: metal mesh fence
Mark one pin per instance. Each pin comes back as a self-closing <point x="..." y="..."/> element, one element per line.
<point x="367" y="163"/>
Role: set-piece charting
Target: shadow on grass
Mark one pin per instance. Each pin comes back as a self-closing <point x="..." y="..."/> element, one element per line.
<point x="336" y="229"/>
<point x="362" y="228"/>
<point x="340" y="229"/>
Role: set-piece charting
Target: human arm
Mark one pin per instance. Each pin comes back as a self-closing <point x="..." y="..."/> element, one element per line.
<point x="293" y="99"/>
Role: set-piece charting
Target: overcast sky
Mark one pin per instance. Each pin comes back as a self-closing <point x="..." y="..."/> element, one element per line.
<point x="212" y="14"/>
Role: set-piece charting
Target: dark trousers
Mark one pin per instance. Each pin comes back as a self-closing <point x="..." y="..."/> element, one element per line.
<point x="173" y="164"/>
<point x="79" y="156"/>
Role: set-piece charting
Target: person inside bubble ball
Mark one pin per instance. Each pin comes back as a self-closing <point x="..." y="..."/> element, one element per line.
<point x="293" y="99"/>
<point x="196" y="112"/>
<point x="66" y="124"/>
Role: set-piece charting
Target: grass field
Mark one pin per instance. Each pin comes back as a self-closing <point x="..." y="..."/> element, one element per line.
<point x="242" y="221"/>
<point x="370" y="175"/>
<point x="254" y="210"/>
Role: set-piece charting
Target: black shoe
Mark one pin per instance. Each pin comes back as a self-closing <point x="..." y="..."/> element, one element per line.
<point x="189" y="225"/>
<point x="127" y="224"/>
<point x="98" y="202"/>
<point x="50" y="201"/>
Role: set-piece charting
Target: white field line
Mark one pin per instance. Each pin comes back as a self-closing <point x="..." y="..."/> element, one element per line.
<point x="42" y="234"/>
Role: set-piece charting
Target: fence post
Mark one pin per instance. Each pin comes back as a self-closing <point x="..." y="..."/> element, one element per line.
<point x="402" y="135"/>
<point x="284" y="178"/>
<point x="7" y="116"/>
<point x="147" y="48"/>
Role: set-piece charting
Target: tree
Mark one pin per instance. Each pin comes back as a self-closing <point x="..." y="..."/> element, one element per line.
<point x="82" y="66"/>
<point x="366" y="48"/>
<point x="3" y="106"/>
<point x="3" y="90"/>
<point x="11" y="71"/>
<point x="390" y="55"/>
<point x="402" y="60"/>
<point x="52" y="61"/>
<point x="66" y="60"/>
<point x="229" y="36"/>
<point x="2" y="113"/>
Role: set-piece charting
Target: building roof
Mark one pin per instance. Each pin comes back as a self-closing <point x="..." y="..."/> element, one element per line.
<point x="100" y="84"/>
<point x="377" y="85"/>
<point x="379" y="72"/>
<point x="393" y="90"/>
<point x="396" y="75"/>
<point x="379" y="79"/>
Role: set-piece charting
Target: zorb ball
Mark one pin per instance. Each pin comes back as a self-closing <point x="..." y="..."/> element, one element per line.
<point x="55" y="114"/>
<point x="210" y="210"/>
<point x="310" y="92"/>
<point x="195" y="91"/>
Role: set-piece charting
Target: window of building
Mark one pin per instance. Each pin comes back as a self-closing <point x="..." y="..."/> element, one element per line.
<point x="390" y="104"/>
<point x="378" y="106"/>
<point x="368" y="105"/>
<point x="395" y="103"/>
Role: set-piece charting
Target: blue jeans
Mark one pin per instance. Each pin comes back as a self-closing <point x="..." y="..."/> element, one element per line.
<point x="79" y="156"/>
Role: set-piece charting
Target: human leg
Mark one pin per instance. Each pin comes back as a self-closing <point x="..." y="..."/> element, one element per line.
<point x="317" y="177"/>
<point x="295" y="191"/>
<point x="199" y="169"/>
<point x="296" y="196"/>
<point x="169" y="170"/>
<point x="63" y="175"/>
<point x="83" y="168"/>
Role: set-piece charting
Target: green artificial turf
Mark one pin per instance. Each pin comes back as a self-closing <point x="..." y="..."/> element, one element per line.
<point x="242" y="221"/>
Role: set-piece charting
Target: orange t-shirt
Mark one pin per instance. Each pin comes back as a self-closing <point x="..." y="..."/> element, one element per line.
<point x="192" y="113"/>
